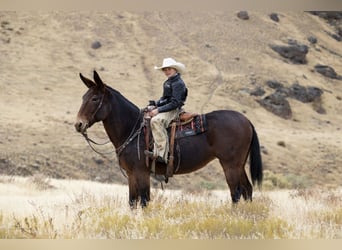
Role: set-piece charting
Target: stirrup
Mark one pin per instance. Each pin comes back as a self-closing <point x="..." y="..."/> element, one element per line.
<point x="150" y="154"/>
<point x="155" y="158"/>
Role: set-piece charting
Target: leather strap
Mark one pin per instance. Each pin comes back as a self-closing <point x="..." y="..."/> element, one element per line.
<point x="170" y="165"/>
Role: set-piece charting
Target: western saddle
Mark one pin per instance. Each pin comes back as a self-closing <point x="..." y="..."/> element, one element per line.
<point x="183" y="118"/>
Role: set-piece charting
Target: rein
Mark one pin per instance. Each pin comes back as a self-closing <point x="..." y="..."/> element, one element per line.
<point x="121" y="148"/>
<point x="89" y="141"/>
<point x="131" y="137"/>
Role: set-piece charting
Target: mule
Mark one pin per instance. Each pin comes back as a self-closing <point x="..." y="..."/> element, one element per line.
<point x="230" y="137"/>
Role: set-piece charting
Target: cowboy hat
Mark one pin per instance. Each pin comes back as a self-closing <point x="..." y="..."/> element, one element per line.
<point x="171" y="63"/>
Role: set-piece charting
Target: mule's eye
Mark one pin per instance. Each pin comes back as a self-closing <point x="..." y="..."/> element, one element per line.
<point x="95" y="99"/>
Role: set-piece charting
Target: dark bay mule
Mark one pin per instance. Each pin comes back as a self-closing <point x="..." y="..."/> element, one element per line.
<point x="230" y="137"/>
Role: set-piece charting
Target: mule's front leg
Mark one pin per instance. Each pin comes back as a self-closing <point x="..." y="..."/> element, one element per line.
<point x="144" y="188"/>
<point x="145" y="196"/>
<point x="139" y="188"/>
<point x="132" y="192"/>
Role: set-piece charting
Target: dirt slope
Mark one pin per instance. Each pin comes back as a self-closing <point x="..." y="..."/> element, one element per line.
<point x="42" y="54"/>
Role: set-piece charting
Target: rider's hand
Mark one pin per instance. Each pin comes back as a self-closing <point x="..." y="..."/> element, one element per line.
<point x="150" y="108"/>
<point x="154" y="112"/>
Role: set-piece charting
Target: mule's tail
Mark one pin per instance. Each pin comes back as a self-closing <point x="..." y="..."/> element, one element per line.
<point x="255" y="161"/>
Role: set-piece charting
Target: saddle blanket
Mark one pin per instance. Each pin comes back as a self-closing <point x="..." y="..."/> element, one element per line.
<point x="197" y="126"/>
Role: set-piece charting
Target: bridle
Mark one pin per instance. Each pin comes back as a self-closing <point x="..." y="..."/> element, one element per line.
<point x="98" y="107"/>
<point x="85" y="135"/>
<point x="133" y="134"/>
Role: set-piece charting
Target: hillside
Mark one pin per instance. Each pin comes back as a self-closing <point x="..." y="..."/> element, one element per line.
<point x="227" y="60"/>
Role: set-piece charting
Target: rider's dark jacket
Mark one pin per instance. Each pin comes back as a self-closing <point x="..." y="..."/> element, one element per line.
<point x="174" y="94"/>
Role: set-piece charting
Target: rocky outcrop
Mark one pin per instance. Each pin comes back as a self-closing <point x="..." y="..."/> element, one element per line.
<point x="96" y="45"/>
<point x="304" y="94"/>
<point x="312" y="39"/>
<point x="274" y="17"/>
<point x="258" y="91"/>
<point x="278" y="104"/>
<point x="243" y="15"/>
<point x="327" y="71"/>
<point x="295" y="52"/>
<point x="334" y="18"/>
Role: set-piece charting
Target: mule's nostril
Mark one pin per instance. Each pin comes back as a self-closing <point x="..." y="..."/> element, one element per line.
<point x="81" y="126"/>
<point x="78" y="126"/>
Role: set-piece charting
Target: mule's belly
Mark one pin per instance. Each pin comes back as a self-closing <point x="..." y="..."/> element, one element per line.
<point x="195" y="153"/>
<point x="187" y="168"/>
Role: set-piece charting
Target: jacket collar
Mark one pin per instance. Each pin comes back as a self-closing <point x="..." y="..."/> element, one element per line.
<point x="174" y="77"/>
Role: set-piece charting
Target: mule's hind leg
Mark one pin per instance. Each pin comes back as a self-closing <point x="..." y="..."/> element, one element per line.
<point x="246" y="187"/>
<point x="237" y="181"/>
<point x="232" y="178"/>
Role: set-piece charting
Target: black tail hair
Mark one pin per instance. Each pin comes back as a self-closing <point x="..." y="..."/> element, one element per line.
<point x="255" y="159"/>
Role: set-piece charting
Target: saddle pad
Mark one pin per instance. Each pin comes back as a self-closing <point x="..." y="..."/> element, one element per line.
<point x="197" y="126"/>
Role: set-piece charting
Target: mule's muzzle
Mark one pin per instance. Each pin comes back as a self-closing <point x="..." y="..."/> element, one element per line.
<point x="81" y="127"/>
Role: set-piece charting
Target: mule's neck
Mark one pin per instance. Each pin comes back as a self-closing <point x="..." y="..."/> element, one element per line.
<point x="122" y="118"/>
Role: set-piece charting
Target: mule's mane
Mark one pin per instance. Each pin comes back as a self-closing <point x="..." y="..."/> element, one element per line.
<point x="119" y="96"/>
<point x="122" y="118"/>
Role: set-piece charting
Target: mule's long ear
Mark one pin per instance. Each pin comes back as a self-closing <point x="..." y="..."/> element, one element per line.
<point x="98" y="81"/>
<point x="89" y="83"/>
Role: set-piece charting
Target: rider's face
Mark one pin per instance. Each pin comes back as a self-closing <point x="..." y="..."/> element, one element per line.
<point x="168" y="71"/>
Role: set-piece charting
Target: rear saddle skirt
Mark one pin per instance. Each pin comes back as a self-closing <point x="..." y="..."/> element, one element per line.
<point x="188" y="124"/>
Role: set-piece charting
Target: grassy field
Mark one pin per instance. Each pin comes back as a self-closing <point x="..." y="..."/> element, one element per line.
<point x="47" y="208"/>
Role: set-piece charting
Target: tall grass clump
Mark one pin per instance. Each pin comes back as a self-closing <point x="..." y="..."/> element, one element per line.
<point x="330" y="223"/>
<point x="34" y="228"/>
<point x="280" y="181"/>
<point x="40" y="182"/>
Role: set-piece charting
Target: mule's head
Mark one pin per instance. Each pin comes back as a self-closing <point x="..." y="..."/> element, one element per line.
<point x="95" y="106"/>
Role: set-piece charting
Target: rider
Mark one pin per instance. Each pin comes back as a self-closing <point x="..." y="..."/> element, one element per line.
<point x="167" y="107"/>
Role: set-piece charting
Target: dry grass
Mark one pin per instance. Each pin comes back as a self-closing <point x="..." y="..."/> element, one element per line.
<point x="80" y="209"/>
